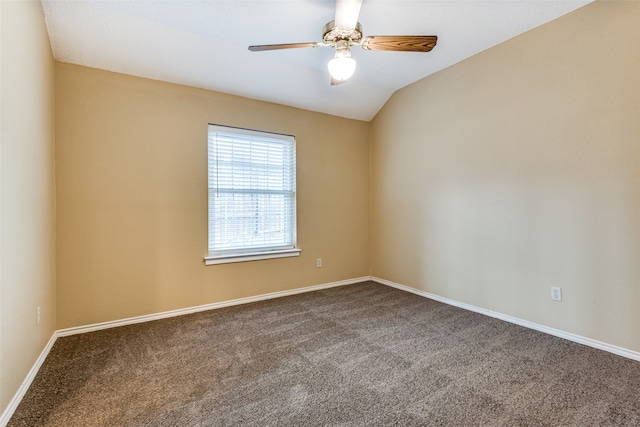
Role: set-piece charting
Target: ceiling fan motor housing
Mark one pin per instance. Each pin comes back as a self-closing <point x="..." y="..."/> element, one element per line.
<point x="333" y="35"/>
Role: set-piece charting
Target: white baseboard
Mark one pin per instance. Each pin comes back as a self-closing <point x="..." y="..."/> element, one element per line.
<point x="630" y="354"/>
<point x="15" y="401"/>
<point x="205" y="307"/>
<point x="13" y="404"/>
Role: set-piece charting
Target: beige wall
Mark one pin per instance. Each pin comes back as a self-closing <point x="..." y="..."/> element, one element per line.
<point x="491" y="181"/>
<point x="132" y="197"/>
<point x="27" y="206"/>
<point x="517" y="170"/>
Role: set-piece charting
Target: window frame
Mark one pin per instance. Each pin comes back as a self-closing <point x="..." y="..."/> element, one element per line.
<point x="240" y="254"/>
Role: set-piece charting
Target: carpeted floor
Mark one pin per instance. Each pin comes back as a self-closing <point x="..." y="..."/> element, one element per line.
<point x="358" y="355"/>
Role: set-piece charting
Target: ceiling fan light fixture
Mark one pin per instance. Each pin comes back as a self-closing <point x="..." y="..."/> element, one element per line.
<point x="342" y="66"/>
<point x="345" y="31"/>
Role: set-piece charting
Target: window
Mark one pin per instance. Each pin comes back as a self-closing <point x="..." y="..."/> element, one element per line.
<point x="252" y="195"/>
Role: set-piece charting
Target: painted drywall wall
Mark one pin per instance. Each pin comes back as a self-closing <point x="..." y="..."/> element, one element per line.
<point x="132" y="197"/>
<point x="518" y="170"/>
<point x="27" y="205"/>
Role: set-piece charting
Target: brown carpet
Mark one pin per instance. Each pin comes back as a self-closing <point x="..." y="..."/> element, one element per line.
<point x="358" y="355"/>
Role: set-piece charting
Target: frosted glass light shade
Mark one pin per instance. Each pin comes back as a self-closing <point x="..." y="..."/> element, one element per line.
<point x="342" y="68"/>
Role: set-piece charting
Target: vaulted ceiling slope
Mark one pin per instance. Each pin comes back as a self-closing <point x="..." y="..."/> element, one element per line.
<point x="204" y="43"/>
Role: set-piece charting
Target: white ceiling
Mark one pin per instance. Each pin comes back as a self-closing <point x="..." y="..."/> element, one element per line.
<point x="204" y="43"/>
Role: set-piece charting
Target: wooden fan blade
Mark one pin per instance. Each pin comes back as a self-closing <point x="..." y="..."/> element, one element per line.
<point x="347" y="12"/>
<point x="400" y="43"/>
<point x="262" y="47"/>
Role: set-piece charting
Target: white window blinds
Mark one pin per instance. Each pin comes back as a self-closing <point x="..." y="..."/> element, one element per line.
<point x="252" y="191"/>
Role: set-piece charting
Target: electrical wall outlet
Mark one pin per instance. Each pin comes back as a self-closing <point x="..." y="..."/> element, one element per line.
<point x="38" y="316"/>
<point x="556" y="294"/>
<point x="319" y="262"/>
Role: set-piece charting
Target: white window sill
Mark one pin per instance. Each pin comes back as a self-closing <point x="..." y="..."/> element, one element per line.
<point x="253" y="256"/>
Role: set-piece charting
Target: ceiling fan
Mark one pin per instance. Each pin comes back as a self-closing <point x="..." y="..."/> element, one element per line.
<point x="345" y="31"/>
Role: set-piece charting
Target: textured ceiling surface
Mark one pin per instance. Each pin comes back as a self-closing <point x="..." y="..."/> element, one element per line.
<point x="204" y="43"/>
